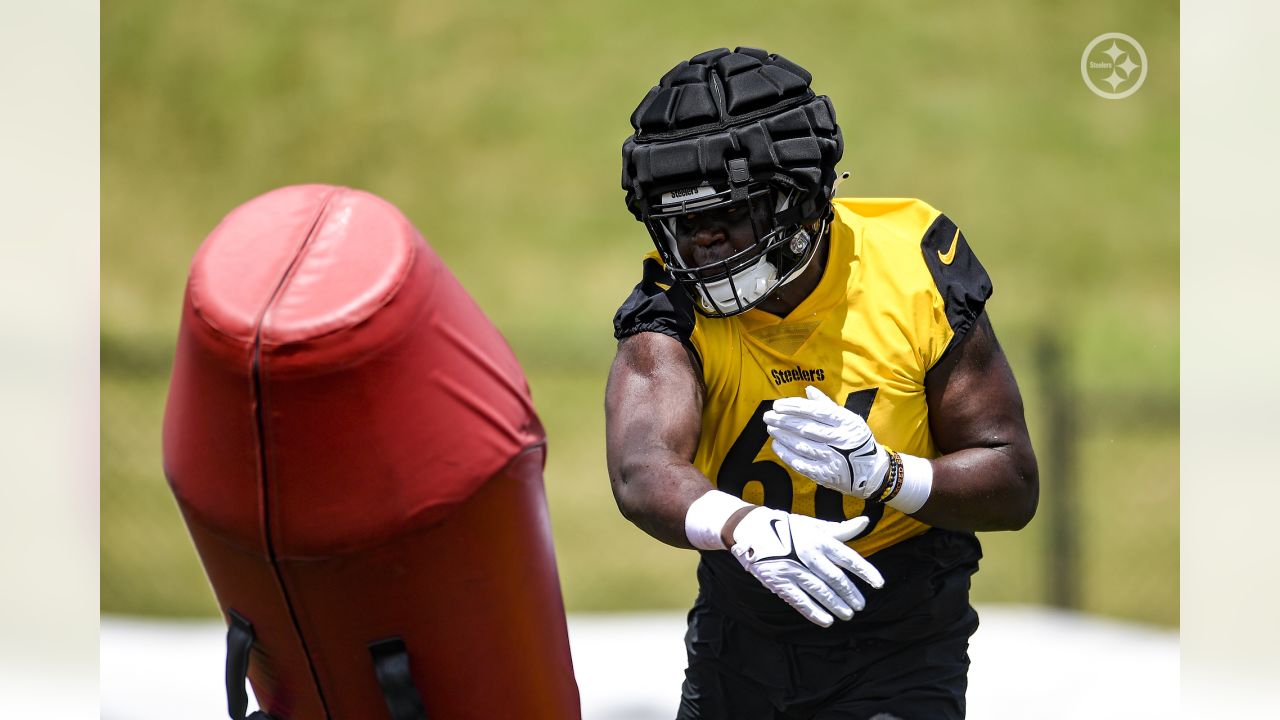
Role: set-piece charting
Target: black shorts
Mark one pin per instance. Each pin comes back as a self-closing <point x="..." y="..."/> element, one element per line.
<point x="911" y="664"/>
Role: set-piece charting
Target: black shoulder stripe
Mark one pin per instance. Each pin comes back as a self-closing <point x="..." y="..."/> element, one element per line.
<point x="959" y="277"/>
<point x="657" y="304"/>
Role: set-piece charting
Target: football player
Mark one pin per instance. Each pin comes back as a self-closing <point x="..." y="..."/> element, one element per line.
<point x="807" y="390"/>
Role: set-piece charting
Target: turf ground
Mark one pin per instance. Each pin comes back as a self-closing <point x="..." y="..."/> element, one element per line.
<point x="496" y="127"/>
<point x="1136" y="678"/>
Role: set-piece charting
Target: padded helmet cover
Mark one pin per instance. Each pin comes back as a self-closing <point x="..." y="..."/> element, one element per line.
<point x="720" y="105"/>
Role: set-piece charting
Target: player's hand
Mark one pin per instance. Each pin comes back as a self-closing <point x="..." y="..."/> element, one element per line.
<point x="827" y="443"/>
<point x="803" y="561"/>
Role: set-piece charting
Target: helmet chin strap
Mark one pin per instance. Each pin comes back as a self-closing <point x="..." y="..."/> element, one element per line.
<point x="801" y="239"/>
<point x="753" y="282"/>
<point x="749" y="284"/>
<point x="744" y="288"/>
<point x="804" y="237"/>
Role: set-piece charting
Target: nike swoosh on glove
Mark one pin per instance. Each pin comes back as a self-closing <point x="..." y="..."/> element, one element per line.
<point x="803" y="561"/>
<point x="827" y="443"/>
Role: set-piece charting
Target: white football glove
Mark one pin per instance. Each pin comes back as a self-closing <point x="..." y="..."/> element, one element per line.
<point x="800" y="559"/>
<point x="827" y="443"/>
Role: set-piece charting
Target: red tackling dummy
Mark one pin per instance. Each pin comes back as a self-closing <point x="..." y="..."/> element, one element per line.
<point x="355" y="452"/>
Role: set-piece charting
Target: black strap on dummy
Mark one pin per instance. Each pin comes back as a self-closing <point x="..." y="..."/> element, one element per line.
<point x="391" y="664"/>
<point x="239" y="642"/>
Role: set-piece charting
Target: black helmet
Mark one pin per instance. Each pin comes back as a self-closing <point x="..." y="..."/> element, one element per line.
<point x="740" y="130"/>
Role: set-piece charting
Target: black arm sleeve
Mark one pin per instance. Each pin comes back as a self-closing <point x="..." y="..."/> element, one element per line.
<point x="651" y="307"/>
<point x="959" y="277"/>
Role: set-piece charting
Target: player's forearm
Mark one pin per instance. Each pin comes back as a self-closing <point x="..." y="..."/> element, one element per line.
<point x="655" y="491"/>
<point x="982" y="489"/>
<point x="653" y="411"/>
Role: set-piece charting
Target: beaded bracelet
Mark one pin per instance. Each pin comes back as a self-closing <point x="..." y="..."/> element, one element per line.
<point x="901" y="469"/>
<point x="894" y="483"/>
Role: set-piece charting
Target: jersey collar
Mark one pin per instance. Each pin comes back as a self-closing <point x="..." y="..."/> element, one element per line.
<point x="845" y="238"/>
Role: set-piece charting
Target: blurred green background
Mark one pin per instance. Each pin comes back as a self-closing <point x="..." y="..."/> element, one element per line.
<point x="497" y="126"/>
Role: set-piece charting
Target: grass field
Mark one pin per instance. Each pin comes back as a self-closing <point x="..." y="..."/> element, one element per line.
<point x="497" y="128"/>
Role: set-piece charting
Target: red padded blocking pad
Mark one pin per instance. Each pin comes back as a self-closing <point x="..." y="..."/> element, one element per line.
<point x="353" y="447"/>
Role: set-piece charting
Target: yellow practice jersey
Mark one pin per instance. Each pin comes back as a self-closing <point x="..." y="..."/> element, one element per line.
<point x="900" y="287"/>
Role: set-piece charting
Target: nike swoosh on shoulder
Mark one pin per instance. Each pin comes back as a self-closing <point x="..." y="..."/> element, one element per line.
<point x="951" y="252"/>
